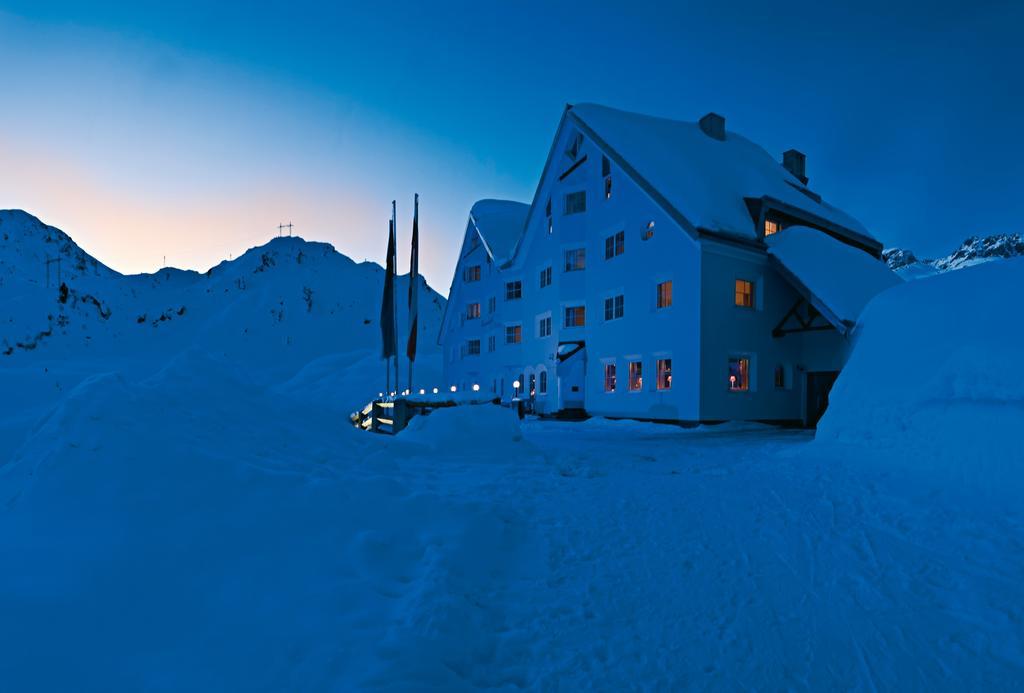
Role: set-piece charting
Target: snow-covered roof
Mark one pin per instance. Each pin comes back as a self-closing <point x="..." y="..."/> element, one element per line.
<point x="838" y="279"/>
<point x="500" y="223"/>
<point x="704" y="179"/>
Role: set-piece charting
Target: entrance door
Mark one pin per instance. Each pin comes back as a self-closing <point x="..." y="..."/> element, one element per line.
<point x="571" y="372"/>
<point x="819" y="385"/>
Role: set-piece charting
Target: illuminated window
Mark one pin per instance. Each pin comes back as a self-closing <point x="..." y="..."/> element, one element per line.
<point x="544" y="327"/>
<point x="780" y="376"/>
<point x="615" y="245"/>
<point x="545" y="277"/>
<point x="609" y="377"/>
<point x="664" y="299"/>
<point x="575" y="259"/>
<point x="513" y="290"/>
<point x="739" y="374"/>
<point x="473" y="347"/>
<point x="576" y="202"/>
<point x="575" y="316"/>
<point x="614" y="307"/>
<point x="648" y="232"/>
<point x="744" y="293"/>
<point x="771" y="227"/>
<point x="543" y="382"/>
<point x="473" y="311"/>
<point x="608" y="188"/>
<point x="664" y="374"/>
<point x="472" y="274"/>
<point x="513" y="334"/>
<point x="636" y="376"/>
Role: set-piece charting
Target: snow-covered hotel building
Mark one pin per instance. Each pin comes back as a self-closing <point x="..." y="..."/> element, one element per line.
<point x="664" y="270"/>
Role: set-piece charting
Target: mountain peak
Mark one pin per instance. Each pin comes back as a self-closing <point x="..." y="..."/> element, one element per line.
<point x="974" y="250"/>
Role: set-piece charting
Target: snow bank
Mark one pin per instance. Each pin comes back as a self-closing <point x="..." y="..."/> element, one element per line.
<point x="466" y="429"/>
<point x="934" y="385"/>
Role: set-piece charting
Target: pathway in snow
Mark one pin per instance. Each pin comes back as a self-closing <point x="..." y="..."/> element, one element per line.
<point x="736" y="560"/>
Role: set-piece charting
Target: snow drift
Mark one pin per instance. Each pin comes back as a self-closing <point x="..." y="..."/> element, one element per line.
<point x="934" y="385"/>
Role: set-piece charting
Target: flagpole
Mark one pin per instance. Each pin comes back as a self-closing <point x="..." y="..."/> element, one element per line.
<point x="394" y="312"/>
<point x="414" y="262"/>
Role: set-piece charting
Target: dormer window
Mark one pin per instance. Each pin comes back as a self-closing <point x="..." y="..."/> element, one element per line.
<point x="575" y="146"/>
<point x="771" y="227"/>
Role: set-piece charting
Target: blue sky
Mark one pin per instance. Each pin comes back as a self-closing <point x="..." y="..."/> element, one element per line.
<point x="191" y="130"/>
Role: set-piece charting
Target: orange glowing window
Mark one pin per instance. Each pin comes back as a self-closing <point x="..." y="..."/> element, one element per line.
<point x="739" y="374"/>
<point x="744" y="293"/>
<point x="771" y="227"/>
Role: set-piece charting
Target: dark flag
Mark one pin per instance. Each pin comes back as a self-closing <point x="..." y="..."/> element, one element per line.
<point x="414" y="274"/>
<point x="388" y="337"/>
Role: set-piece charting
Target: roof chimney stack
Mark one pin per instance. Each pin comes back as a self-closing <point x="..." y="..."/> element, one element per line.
<point x="713" y="126"/>
<point x="796" y="163"/>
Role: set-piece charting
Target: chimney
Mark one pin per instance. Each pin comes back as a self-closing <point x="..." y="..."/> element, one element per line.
<point x="713" y="126"/>
<point x="796" y="163"/>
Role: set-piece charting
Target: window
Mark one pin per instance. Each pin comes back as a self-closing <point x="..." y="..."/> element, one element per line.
<point x="608" y="188"/>
<point x="609" y="377"/>
<point x="472" y="274"/>
<point x="739" y="374"/>
<point x="636" y="376"/>
<point x="513" y="290"/>
<point x="648" y="232"/>
<point x="771" y="227"/>
<point x="664" y="374"/>
<point x="780" y="376"/>
<point x="572" y="150"/>
<point x="513" y="334"/>
<point x="543" y="382"/>
<point x="575" y="316"/>
<point x="606" y="167"/>
<point x="472" y="311"/>
<point x="544" y="326"/>
<point x="492" y="304"/>
<point x="547" y="212"/>
<point x="744" y="293"/>
<point x="545" y="277"/>
<point x="664" y="298"/>
<point x="575" y="259"/>
<point x="533" y="385"/>
<point x="614" y="307"/>
<point x="614" y="245"/>
<point x="491" y="346"/>
<point x="473" y="347"/>
<point x="576" y="202"/>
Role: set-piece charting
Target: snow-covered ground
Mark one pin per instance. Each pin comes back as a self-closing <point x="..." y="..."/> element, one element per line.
<point x="281" y="549"/>
<point x="184" y="506"/>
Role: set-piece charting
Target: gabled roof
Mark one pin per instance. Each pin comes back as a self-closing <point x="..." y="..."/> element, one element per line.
<point x="837" y="279"/>
<point x="499" y="223"/>
<point x="703" y="182"/>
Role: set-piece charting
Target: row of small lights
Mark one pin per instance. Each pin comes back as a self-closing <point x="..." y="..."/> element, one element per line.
<point x="476" y="388"/>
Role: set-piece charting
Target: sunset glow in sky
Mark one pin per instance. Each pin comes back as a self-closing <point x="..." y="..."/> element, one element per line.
<point x="192" y="132"/>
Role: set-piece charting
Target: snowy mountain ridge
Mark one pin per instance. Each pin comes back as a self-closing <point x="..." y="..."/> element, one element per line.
<point x="275" y="311"/>
<point x="974" y="250"/>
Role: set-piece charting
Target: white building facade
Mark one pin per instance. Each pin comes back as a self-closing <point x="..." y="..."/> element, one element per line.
<point x="639" y="283"/>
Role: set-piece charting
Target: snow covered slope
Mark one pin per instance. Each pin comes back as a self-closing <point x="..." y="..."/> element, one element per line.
<point x="973" y="251"/>
<point x="290" y="309"/>
<point x="934" y="384"/>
